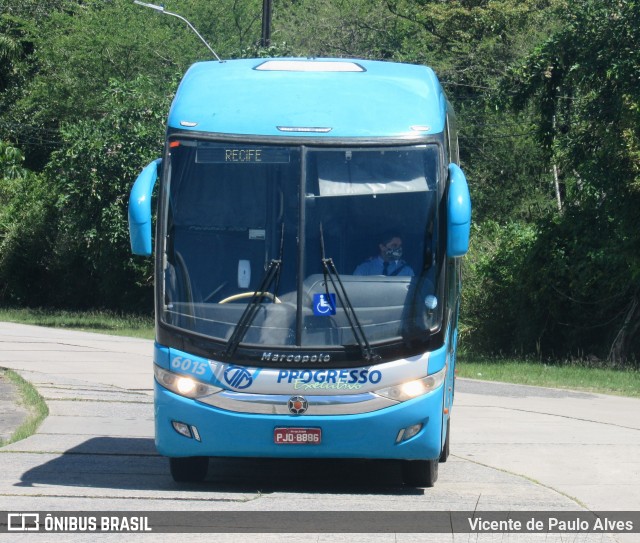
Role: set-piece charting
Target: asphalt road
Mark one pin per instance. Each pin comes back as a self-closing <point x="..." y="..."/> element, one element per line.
<point x="513" y="448"/>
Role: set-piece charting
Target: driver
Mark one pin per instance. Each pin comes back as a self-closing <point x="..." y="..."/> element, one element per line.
<point x="388" y="261"/>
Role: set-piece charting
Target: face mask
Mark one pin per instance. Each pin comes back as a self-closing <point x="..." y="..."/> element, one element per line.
<point x="393" y="254"/>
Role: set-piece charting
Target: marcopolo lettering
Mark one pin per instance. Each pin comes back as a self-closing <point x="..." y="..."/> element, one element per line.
<point x="348" y="377"/>
<point x="291" y="357"/>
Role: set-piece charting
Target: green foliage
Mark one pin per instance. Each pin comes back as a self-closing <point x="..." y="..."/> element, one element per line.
<point x="339" y="28"/>
<point x="470" y="43"/>
<point x="83" y="48"/>
<point x="92" y="175"/>
<point x="495" y="306"/>
<point x="582" y="287"/>
<point x="26" y="219"/>
<point x="509" y="173"/>
<point x="88" y="106"/>
<point x="11" y="167"/>
<point x="584" y="83"/>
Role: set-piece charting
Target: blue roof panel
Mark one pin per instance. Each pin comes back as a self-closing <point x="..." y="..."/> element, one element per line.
<point x="342" y="97"/>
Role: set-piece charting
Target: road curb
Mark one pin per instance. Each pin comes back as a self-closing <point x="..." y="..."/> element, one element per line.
<point x="12" y="412"/>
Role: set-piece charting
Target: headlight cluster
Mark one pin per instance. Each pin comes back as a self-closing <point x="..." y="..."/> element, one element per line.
<point x="183" y="384"/>
<point x="192" y="388"/>
<point x="412" y="389"/>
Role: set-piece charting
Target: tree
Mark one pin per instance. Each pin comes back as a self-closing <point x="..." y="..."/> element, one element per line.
<point x="101" y="77"/>
<point x="26" y="217"/>
<point x="91" y="175"/>
<point x="584" y="83"/>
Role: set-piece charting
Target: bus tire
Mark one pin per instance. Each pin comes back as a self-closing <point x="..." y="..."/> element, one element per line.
<point x="420" y="473"/>
<point x="445" y="449"/>
<point x="191" y="469"/>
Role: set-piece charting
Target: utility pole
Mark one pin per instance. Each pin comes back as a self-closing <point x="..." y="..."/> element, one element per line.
<point x="266" y="23"/>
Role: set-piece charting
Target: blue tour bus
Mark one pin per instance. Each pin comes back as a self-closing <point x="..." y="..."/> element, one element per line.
<point x="280" y="178"/>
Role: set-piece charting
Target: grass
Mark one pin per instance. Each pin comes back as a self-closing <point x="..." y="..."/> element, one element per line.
<point x="103" y="322"/>
<point x="32" y="401"/>
<point x="567" y="375"/>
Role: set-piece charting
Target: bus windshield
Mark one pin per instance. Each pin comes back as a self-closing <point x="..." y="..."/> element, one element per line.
<point x="274" y="246"/>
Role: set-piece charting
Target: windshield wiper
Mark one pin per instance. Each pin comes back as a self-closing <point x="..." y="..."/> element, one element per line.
<point x="249" y="314"/>
<point x="331" y="272"/>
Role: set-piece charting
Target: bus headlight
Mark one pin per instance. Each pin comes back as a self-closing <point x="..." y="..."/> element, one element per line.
<point x="412" y="389"/>
<point x="186" y="385"/>
<point x="183" y="384"/>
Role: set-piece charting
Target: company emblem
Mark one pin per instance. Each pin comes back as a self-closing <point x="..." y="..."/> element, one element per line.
<point x="238" y="378"/>
<point x="298" y="405"/>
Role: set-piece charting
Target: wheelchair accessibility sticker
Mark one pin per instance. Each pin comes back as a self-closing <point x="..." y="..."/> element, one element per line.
<point x="324" y="304"/>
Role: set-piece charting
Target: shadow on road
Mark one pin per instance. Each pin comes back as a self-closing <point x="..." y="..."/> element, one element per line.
<point x="133" y="464"/>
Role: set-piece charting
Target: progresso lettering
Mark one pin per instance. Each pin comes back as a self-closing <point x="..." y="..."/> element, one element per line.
<point x="335" y="377"/>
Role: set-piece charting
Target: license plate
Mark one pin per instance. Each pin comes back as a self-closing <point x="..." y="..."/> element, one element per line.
<point x="297" y="436"/>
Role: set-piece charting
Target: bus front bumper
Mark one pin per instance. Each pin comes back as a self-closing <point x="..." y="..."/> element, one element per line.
<point x="210" y="431"/>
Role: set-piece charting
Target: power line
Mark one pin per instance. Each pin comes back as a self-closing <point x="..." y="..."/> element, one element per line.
<point x="502" y="136"/>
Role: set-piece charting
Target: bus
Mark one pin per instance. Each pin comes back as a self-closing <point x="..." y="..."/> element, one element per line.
<point x="283" y="184"/>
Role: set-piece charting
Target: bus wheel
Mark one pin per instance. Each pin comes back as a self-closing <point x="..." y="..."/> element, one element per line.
<point x="423" y="473"/>
<point x="192" y="469"/>
<point x="445" y="450"/>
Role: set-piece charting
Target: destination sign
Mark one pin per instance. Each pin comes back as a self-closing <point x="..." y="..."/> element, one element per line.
<point x="242" y="155"/>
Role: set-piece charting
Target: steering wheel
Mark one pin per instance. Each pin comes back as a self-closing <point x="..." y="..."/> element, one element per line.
<point x="242" y="295"/>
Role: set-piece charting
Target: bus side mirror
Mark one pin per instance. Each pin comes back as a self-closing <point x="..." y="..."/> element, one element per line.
<point x="140" y="209"/>
<point x="458" y="213"/>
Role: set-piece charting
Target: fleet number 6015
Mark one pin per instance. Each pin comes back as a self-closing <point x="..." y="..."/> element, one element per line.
<point x="190" y="366"/>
